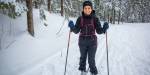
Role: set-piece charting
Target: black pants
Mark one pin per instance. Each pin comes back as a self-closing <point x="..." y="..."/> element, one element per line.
<point x="88" y="47"/>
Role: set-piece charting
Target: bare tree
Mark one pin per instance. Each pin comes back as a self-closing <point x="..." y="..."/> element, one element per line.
<point x="49" y="5"/>
<point x="62" y="8"/>
<point x="36" y="4"/>
<point x="113" y="11"/>
<point x="30" y="17"/>
<point x="119" y="12"/>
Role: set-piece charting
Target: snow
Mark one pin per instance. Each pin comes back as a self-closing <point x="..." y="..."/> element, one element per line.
<point x="45" y="53"/>
<point x="20" y="8"/>
<point x="7" y="1"/>
<point x="10" y="29"/>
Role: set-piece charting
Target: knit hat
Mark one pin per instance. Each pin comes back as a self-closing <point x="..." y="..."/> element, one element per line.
<point x="87" y="3"/>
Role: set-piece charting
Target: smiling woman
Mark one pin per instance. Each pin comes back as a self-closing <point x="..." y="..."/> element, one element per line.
<point x="87" y="10"/>
<point x="87" y="25"/>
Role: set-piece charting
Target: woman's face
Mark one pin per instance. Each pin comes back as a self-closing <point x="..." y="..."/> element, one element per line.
<point x="87" y="10"/>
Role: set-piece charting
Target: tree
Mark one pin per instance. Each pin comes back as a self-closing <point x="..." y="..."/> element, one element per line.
<point x="36" y="4"/>
<point x="49" y="5"/>
<point x="62" y="8"/>
<point x="119" y="12"/>
<point x="113" y="11"/>
<point x="30" y="17"/>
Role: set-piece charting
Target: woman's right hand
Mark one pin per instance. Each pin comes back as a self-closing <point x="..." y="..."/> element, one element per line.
<point x="71" y="24"/>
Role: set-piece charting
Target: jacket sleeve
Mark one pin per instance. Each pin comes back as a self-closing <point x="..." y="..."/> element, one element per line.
<point x="76" y="28"/>
<point x="99" y="28"/>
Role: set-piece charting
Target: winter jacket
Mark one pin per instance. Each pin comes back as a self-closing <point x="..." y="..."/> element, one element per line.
<point x="85" y="27"/>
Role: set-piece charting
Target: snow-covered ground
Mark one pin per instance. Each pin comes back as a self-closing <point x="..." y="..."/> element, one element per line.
<point x="44" y="54"/>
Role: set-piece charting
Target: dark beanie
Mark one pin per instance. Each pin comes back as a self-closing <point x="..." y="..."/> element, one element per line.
<point x="87" y="3"/>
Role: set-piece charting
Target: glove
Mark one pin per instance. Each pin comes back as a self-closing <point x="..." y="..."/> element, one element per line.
<point x="71" y="24"/>
<point x="105" y="26"/>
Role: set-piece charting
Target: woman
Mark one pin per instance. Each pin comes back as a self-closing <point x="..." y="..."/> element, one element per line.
<point x="88" y="24"/>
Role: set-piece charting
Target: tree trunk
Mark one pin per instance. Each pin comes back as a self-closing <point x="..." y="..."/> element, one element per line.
<point x="36" y="4"/>
<point x="108" y="18"/>
<point x="114" y="15"/>
<point x="49" y="5"/>
<point x="62" y="8"/>
<point x="119" y="17"/>
<point x="30" y="17"/>
<point x="104" y="15"/>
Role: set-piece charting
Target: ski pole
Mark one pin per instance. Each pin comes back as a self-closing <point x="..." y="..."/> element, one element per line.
<point x="107" y="53"/>
<point x="67" y="17"/>
<point x="67" y="52"/>
<point x="61" y="27"/>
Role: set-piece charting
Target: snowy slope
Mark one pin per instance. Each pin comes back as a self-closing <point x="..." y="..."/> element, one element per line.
<point x="10" y="29"/>
<point x="45" y="53"/>
<point x="26" y="52"/>
<point x="128" y="53"/>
